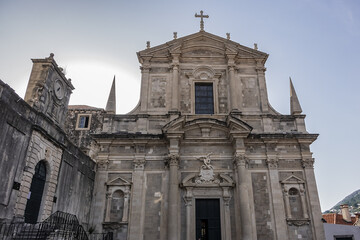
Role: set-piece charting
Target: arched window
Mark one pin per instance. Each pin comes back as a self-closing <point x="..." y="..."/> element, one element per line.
<point x="36" y="192"/>
<point x="295" y="203"/>
<point x="117" y="206"/>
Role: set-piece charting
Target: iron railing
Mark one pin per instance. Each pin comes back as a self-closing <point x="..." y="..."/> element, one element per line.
<point x="59" y="226"/>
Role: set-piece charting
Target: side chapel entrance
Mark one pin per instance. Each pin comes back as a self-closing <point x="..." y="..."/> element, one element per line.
<point x="36" y="192"/>
<point x="208" y="219"/>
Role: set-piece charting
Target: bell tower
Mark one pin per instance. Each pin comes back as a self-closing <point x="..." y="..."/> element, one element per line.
<point x="48" y="90"/>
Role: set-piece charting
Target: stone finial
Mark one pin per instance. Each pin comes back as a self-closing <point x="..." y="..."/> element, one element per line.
<point x="255" y="46"/>
<point x="228" y="36"/>
<point x="175" y="35"/>
<point x="147" y="44"/>
<point x="51" y="56"/>
<point x="111" y="103"/>
<point x="295" y="107"/>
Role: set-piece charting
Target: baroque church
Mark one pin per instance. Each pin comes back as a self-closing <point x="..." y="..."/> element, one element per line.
<point x="202" y="156"/>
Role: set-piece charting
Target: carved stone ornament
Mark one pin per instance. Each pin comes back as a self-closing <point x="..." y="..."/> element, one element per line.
<point x="272" y="162"/>
<point x="139" y="164"/>
<point x="172" y="160"/>
<point x="240" y="160"/>
<point x="102" y="164"/>
<point x="298" y="222"/>
<point x="308" y="163"/>
<point x="206" y="174"/>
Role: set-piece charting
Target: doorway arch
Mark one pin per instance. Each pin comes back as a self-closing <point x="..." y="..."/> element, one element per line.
<point x="36" y="193"/>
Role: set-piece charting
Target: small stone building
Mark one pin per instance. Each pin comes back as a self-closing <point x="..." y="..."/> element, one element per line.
<point x="202" y="156"/>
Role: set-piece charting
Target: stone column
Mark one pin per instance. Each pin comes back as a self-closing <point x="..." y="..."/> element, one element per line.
<point x="137" y="208"/>
<point x="173" y="162"/>
<point x="108" y="206"/>
<point x="262" y="86"/>
<point x="243" y="194"/>
<point x="145" y="74"/>
<point x="175" y="82"/>
<point x="287" y="203"/>
<point x="126" y="205"/>
<point x="303" y="202"/>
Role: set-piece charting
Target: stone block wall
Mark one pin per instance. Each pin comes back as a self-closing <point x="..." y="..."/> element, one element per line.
<point x="27" y="137"/>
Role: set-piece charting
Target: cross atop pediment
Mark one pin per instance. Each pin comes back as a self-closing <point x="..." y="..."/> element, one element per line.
<point x="202" y="16"/>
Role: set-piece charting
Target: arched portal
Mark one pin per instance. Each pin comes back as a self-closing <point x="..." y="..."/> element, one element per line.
<point x="36" y="192"/>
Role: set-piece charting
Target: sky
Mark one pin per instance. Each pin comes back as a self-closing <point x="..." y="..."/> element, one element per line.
<point x="315" y="42"/>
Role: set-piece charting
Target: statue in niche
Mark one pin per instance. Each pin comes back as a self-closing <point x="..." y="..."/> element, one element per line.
<point x="206" y="174"/>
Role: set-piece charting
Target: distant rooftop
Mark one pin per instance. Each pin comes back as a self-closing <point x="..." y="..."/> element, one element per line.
<point x="335" y="218"/>
<point x="84" y="107"/>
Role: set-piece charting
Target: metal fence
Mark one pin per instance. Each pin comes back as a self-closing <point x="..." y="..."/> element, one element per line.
<point x="59" y="226"/>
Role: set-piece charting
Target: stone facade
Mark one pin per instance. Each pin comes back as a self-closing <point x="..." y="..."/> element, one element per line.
<point x="259" y="165"/>
<point x="163" y="171"/>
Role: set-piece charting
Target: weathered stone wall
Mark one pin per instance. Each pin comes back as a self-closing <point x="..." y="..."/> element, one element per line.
<point x="75" y="184"/>
<point x="82" y="137"/>
<point x="15" y="132"/>
<point x="262" y="206"/>
<point x="26" y="137"/>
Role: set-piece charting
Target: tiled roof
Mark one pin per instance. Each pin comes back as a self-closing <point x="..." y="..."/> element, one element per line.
<point x="334" y="218"/>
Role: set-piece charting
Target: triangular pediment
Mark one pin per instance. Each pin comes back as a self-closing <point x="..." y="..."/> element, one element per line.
<point x="292" y="179"/>
<point x="198" y="45"/>
<point x="118" y="181"/>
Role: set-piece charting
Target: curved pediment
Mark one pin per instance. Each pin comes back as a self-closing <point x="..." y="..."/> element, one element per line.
<point x="207" y="128"/>
<point x="222" y="180"/>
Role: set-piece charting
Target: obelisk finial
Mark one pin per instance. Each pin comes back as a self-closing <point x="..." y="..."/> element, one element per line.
<point x="202" y="16"/>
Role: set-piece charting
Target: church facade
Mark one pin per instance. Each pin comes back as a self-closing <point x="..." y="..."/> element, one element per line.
<point x="202" y="156"/>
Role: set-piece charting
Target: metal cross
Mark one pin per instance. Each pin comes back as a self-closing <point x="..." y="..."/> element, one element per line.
<point x="202" y="21"/>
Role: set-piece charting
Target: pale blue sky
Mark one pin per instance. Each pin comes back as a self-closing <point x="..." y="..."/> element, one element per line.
<point x="317" y="43"/>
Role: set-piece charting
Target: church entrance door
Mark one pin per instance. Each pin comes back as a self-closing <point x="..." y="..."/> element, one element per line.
<point x="208" y="219"/>
<point x="36" y="193"/>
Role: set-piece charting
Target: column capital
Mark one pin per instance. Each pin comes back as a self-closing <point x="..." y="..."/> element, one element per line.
<point x="272" y="162"/>
<point x="145" y="69"/>
<point x="102" y="164"/>
<point x="240" y="160"/>
<point x="307" y="162"/>
<point x="139" y="164"/>
<point x="172" y="160"/>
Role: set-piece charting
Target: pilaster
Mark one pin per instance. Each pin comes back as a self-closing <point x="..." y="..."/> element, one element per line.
<point x="145" y="75"/>
<point x="260" y="69"/>
<point x="276" y="194"/>
<point x="232" y="83"/>
<point x="313" y="196"/>
<point x="175" y="82"/>
<point x="137" y="204"/>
